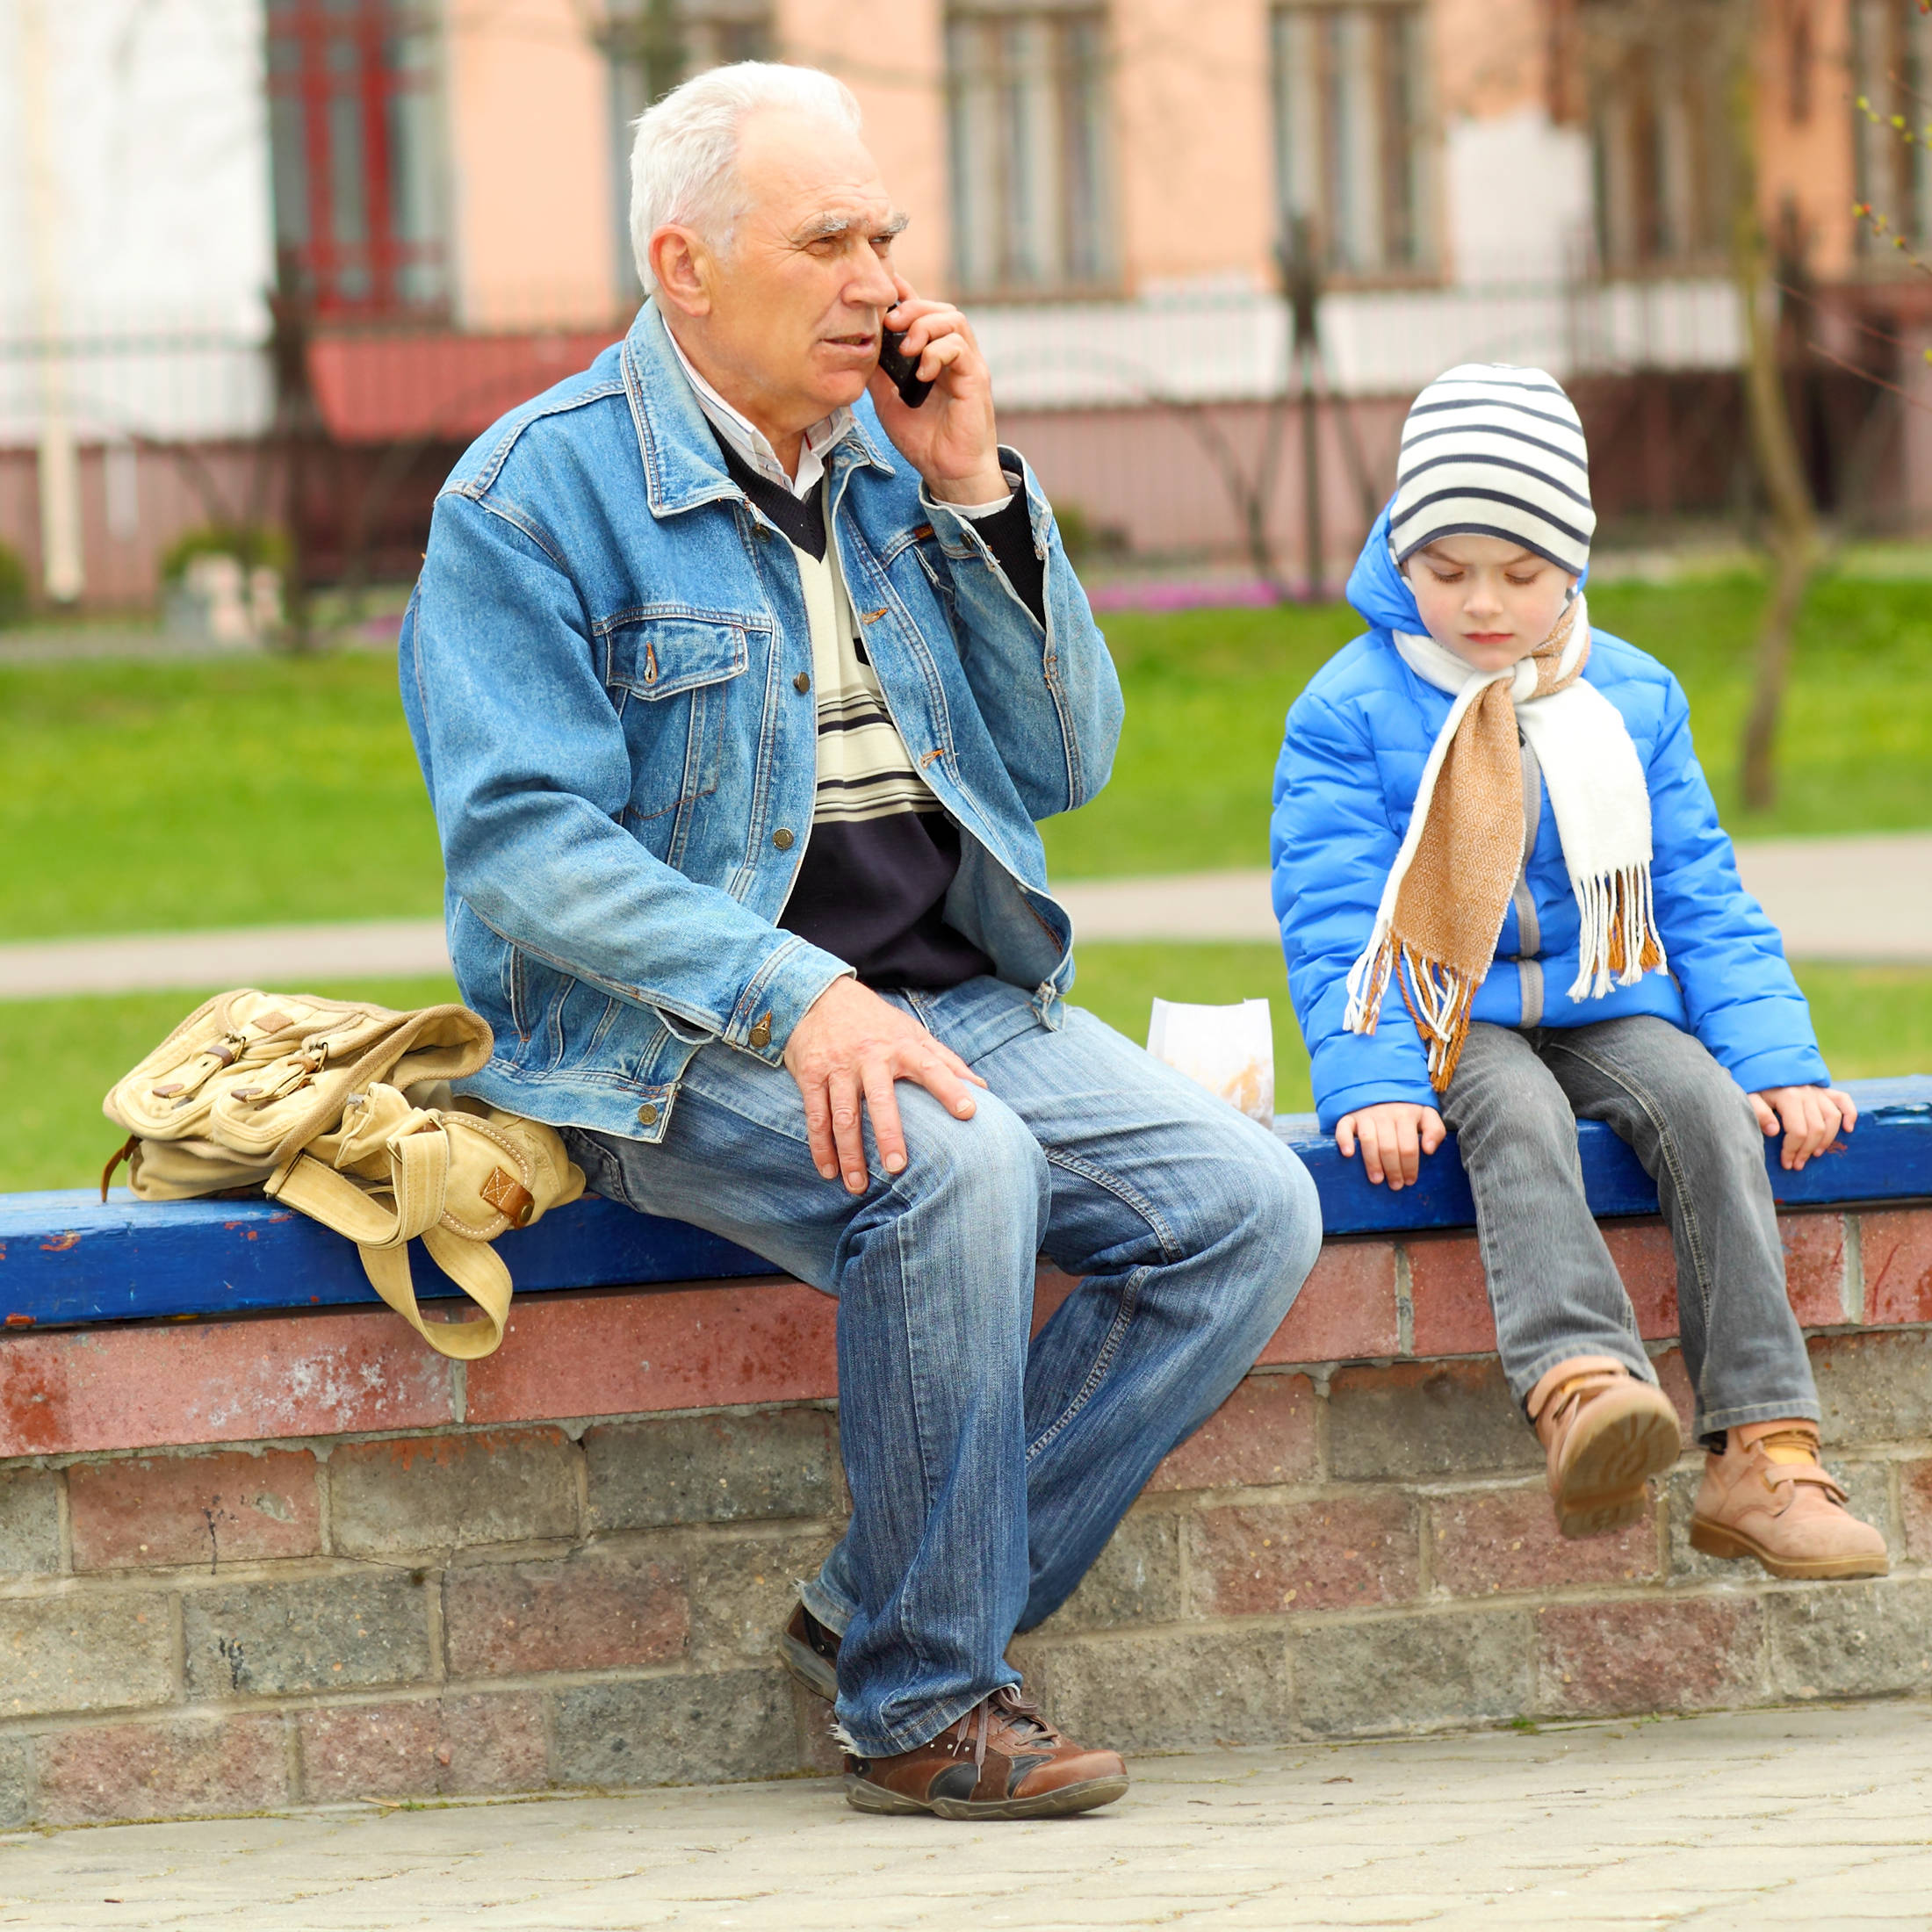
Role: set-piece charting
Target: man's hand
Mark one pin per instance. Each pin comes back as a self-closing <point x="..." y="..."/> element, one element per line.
<point x="949" y="439"/>
<point x="850" y="1046"/>
<point x="1393" y="1137"/>
<point x="1811" y="1118"/>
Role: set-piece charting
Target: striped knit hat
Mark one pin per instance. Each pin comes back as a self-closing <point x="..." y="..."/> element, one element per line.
<point x="1493" y="451"/>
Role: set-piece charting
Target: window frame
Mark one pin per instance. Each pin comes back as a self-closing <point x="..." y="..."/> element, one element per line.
<point x="1421" y="158"/>
<point x="969" y="156"/>
<point x="315" y="263"/>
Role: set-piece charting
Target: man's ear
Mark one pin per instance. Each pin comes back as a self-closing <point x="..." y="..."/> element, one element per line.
<point x="681" y="263"/>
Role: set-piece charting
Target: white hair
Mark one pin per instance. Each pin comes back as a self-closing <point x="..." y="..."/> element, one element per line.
<point x="684" y="161"/>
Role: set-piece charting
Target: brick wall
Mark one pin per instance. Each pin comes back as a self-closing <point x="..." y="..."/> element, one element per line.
<point x="301" y="1557"/>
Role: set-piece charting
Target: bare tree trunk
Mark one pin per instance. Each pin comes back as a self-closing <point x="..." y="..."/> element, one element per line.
<point x="1793" y="532"/>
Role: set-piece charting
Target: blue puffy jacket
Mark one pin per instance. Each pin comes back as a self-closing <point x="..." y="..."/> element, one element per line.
<point x="1345" y="787"/>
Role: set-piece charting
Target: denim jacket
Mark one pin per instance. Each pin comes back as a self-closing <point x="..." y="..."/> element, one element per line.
<point x="606" y="671"/>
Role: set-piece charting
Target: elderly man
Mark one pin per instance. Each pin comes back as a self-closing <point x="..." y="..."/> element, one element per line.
<point x="738" y="685"/>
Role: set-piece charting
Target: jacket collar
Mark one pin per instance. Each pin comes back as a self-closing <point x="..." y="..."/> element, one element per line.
<point x="683" y="466"/>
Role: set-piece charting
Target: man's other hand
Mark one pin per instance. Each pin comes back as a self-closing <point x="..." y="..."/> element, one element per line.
<point x="1394" y="1137"/>
<point x="1810" y="1119"/>
<point x="950" y="438"/>
<point x="850" y="1047"/>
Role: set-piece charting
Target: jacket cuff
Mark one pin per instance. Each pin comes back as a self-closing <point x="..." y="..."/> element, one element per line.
<point x="1329" y="1107"/>
<point x="777" y="996"/>
<point x="1780" y="1067"/>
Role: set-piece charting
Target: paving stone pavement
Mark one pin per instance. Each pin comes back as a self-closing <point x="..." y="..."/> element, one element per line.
<point x="1815" y="1817"/>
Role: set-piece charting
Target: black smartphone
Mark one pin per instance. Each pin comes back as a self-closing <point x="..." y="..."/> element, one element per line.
<point x="900" y="370"/>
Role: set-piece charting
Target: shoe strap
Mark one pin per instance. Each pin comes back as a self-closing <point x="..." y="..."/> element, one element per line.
<point x="1572" y="1394"/>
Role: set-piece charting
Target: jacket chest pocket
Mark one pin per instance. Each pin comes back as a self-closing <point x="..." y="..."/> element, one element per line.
<point x="674" y="677"/>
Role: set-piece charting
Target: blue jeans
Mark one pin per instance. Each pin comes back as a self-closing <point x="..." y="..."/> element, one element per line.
<point x="987" y="1472"/>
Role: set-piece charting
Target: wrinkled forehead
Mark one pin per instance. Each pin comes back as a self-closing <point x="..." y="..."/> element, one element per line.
<point x="807" y="175"/>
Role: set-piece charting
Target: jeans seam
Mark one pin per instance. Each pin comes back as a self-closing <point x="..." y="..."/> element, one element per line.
<point x="1110" y="1347"/>
<point x="1171" y="1251"/>
<point x="1668" y="1146"/>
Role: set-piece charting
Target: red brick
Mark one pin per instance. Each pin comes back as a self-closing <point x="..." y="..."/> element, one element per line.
<point x="679" y="1348"/>
<point x="132" y="1388"/>
<point x="1264" y="1433"/>
<point x="163" y="1770"/>
<point x="1814" y="1267"/>
<point x="1895" y="1247"/>
<point x="1450" y="1297"/>
<point x="1337" y="1554"/>
<point x="584" y="1613"/>
<point x="1649" y="1654"/>
<point x="1642" y="1252"/>
<point x="441" y="1747"/>
<point x="1346" y="1308"/>
<point x="234" y="1508"/>
<point x="1488" y="1541"/>
<point x="1915" y="1499"/>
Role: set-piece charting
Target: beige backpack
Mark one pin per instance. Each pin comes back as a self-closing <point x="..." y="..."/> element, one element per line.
<point x="343" y="1110"/>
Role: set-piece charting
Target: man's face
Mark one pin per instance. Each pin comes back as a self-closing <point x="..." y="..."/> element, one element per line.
<point x="1489" y="600"/>
<point x="797" y="298"/>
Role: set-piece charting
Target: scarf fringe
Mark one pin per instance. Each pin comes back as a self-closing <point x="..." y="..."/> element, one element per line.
<point x="1618" y="941"/>
<point x="1619" y="944"/>
<point x="1439" y="998"/>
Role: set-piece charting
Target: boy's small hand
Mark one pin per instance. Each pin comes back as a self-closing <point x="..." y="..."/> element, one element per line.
<point x="1393" y="1137"/>
<point x="1810" y="1118"/>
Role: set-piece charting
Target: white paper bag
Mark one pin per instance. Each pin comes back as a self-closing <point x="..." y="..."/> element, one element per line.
<point x="1228" y="1049"/>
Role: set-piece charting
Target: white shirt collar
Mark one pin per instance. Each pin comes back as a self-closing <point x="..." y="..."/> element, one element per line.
<point x="750" y="443"/>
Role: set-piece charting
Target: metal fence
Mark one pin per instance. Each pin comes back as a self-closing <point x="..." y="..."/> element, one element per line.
<point x="1180" y="427"/>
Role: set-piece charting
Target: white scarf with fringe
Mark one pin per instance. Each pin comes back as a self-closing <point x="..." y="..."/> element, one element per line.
<point x="1602" y="804"/>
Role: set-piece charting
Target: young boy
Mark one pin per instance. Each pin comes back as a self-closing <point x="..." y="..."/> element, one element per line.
<point x="1492" y="835"/>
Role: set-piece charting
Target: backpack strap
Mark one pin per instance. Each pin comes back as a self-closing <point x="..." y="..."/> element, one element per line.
<point x="420" y="1170"/>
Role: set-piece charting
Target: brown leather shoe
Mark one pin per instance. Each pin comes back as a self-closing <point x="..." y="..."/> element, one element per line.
<point x="1604" y="1434"/>
<point x="1766" y="1496"/>
<point x="1001" y="1760"/>
<point x="809" y="1651"/>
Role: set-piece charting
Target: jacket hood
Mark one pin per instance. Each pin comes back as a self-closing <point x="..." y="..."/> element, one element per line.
<point x="1377" y="589"/>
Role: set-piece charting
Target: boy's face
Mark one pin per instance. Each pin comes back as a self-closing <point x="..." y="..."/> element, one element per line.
<point x="1485" y="598"/>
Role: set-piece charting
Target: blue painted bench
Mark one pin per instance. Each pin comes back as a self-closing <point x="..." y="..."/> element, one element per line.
<point x="66" y="1258"/>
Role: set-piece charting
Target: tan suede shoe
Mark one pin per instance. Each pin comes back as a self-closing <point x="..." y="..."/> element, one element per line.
<point x="1001" y="1760"/>
<point x="1604" y="1433"/>
<point x="1766" y="1496"/>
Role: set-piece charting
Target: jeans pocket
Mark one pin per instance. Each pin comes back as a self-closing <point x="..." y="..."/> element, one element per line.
<point x="603" y="1164"/>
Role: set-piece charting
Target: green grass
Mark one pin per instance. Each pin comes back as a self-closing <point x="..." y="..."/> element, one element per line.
<point x="160" y="796"/>
<point x="1207" y="692"/>
<point x="59" y="1057"/>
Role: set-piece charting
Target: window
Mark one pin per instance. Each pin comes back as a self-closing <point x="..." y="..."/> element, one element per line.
<point x="1352" y="117"/>
<point x="651" y="46"/>
<point x="356" y="142"/>
<point x="1892" y="57"/>
<point x="1027" y="126"/>
<point x="1655" y="78"/>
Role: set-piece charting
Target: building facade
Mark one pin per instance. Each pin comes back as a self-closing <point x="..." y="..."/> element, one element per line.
<point x="1118" y="188"/>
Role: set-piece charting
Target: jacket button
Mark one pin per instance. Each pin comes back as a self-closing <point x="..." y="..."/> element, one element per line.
<point x="783" y="839"/>
<point x="803" y="681"/>
<point x="647" y="1115"/>
<point x="761" y="1034"/>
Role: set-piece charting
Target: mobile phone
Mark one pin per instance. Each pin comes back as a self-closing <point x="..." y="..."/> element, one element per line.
<point x="900" y="370"/>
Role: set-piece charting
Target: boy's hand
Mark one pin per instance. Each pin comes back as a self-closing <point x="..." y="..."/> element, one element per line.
<point x="1811" y="1118"/>
<point x="1395" y="1135"/>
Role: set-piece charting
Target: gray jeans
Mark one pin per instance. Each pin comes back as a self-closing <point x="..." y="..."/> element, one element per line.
<point x="1514" y="1104"/>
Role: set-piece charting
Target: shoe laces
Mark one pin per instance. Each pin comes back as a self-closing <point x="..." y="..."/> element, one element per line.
<point x="1012" y="1709"/>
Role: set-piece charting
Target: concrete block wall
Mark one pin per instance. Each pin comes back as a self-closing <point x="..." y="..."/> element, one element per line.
<point x="301" y="1558"/>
